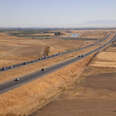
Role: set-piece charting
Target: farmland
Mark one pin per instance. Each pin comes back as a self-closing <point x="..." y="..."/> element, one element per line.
<point x="16" y="49"/>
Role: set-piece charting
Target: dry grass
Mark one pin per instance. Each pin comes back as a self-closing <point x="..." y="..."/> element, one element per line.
<point x="27" y="98"/>
<point x="92" y="33"/>
<point x="106" y="59"/>
<point x="21" y="71"/>
<point x="14" y="50"/>
<point x="36" y="94"/>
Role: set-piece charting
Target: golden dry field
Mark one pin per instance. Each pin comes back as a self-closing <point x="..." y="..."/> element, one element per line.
<point x="31" y="96"/>
<point x="14" y="50"/>
<point x="94" y="94"/>
<point x="106" y="58"/>
<point x="38" y="93"/>
<point x="27" y="69"/>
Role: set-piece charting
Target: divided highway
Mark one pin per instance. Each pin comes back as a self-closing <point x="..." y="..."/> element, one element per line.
<point x="25" y="79"/>
<point x="52" y="56"/>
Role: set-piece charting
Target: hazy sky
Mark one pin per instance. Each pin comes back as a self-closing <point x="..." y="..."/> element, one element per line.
<point x="51" y="13"/>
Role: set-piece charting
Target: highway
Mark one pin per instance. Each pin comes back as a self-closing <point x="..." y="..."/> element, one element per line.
<point x="52" y="56"/>
<point x="5" y="87"/>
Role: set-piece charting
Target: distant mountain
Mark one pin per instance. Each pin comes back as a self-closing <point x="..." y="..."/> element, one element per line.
<point x="100" y="23"/>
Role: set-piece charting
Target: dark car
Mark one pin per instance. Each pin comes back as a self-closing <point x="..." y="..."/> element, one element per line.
<point x="3" y="68"/>
<point x="81" y="56"/>
<point x="42" y="69"/>
<point x="44" y="57"/>
<point x="17" y="79"/>
<point x="24" y="63"/>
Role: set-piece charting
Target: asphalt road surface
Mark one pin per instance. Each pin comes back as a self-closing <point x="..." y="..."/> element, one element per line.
<point x="22" y="80"/>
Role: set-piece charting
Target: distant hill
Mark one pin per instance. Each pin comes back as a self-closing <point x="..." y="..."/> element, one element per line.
<point x="100" y="23"/>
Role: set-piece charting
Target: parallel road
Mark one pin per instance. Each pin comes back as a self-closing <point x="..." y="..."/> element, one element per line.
<point x="25" y="79"/>
<point x="52" y="56"/>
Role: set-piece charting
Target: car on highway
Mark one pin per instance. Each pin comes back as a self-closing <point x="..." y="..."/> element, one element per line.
<point x="81" y="56"/>
<point x="42" y="69"/>
<point x="24" y="63"/>
<point x="17" y="79"/>
<point x="3" y="68"/>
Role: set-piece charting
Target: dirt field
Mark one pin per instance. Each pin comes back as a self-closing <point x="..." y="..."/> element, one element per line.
<point x="92" y="33"/>
<point x="21" y="71"/>
<point x="34" y="95"/>
<point x="19" y="44"/>
<point x="106" y="59"/>
<point x="14" y="50"/>
<point x="27" y="98"/>
<point x="93" y="95"/>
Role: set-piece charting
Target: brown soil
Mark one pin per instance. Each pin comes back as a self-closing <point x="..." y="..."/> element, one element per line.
<point x="27" y="98"/>
<point x="18" y="72"/>
<point x="14" y="50"/>
<point x="35" y="95"/>
<point x="106" y="58"/>
<point x="93" y="95"/>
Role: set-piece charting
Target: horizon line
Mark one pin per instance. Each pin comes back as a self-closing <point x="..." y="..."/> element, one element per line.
<point x="59" y="27"/>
